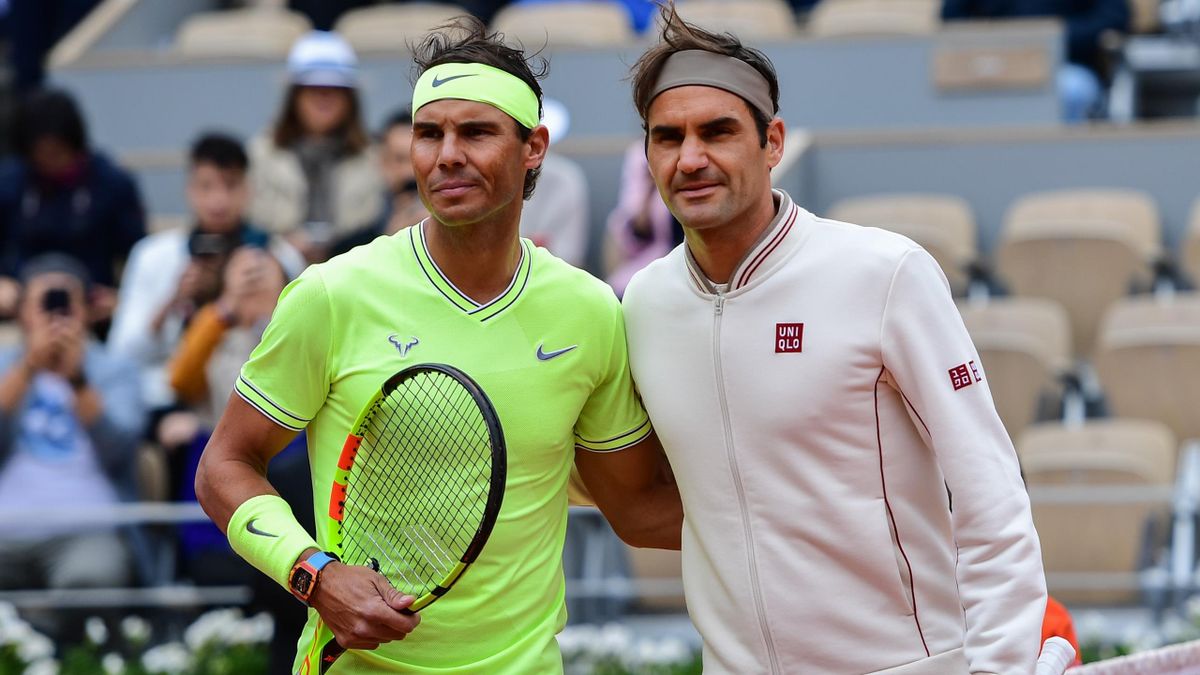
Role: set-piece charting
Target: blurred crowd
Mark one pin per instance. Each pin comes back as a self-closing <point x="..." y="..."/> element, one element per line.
<point x="120" y="347"/>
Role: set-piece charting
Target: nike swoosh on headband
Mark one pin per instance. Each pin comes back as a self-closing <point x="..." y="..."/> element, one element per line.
<point x="254" y="530"/>
<point x="444" y="80"/>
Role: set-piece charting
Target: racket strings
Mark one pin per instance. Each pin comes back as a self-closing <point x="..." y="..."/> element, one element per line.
<point x="417" y="490"/>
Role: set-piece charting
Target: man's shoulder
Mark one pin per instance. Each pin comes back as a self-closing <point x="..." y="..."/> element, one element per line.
<point x="655" y="277"/>
<point x="377" y="260"/>
<point x="560" y="275"/>
<point x="860" y="243"/>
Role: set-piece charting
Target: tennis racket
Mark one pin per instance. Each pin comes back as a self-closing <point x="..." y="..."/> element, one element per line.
<point x="418" y="485"/>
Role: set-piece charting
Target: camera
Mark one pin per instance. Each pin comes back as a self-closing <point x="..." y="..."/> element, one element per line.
<point x="57" y="301"/>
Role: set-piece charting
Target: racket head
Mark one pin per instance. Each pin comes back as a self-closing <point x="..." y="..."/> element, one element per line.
<point x="419" y="514"/>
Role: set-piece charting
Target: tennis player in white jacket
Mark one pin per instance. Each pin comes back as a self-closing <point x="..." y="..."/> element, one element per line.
<point x="853" y="503"/>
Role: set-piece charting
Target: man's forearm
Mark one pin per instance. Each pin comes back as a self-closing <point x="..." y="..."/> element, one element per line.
<point x="222" y="485"/>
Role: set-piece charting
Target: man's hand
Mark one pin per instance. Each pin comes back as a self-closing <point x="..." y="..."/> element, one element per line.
<point x="253" y="281"/>
<point x="361" y="607"/>
<point x="67" y="339"/>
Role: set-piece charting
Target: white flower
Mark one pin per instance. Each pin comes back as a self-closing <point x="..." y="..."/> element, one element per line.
<point x="135" y="628"/>
<point x="259" y="628"/>
<point x="171" y="657"/>
<point x="15" y="632"/>
<point x="674" y="650"/>
<point x="113" y="664"/>
<point x="42" y="667"/>
<point x="215" y="626"/>
<point x="8" y="614"/>
<point x="35" y="647"/>
<point x="1092" y="627"/>
<point x="615" y="639"/>
<point x="97" y="632"/>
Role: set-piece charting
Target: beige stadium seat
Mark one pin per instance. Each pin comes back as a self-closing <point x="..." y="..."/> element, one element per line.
<point x="843" y="18"/>
<point x="256" y="31"/>
<point x="1083" y="248"/>
<point x="1025" y="344"/>
<point x="1191" y="247"/>
<point x="1093" y="489"/>
<point x="1148" y="360"/>
<point x="748" y="19"/>
<point x="586" y="23"/>
<point x="390" y="28"/>
<point x="1144" y="15"/>
<point x="942" y="224"/>
<point x="661" y="574"/>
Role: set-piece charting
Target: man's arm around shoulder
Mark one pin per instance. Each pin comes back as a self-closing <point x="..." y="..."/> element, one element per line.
<point x="636" y="491"/>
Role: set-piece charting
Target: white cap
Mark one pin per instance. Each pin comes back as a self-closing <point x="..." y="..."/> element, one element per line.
<point x="323" y="59"/>
<point x="556" y="118"/>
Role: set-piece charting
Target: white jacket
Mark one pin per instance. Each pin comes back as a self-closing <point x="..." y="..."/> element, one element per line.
<point x="853" y="503"/>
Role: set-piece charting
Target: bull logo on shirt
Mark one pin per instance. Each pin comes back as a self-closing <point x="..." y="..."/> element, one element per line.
<point x="403" y="347"/>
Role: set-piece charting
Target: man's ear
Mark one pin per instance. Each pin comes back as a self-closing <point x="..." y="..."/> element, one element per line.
<point x="538" y="144"/>
<point x="775" y="137"/>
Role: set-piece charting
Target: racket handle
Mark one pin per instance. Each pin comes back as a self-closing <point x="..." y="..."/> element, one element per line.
<point x="330" y="654"/>
<point x="1057" y="655"/>
<point x="332" y="650"/>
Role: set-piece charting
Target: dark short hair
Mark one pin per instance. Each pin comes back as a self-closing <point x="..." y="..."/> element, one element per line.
<point x="351" y="133"/>
<point x="49" y="113"/>
<point x="467" y="40"/>
<point x="220" y="150"/>
<point x="399" y="118"/>
<point x="678" y="36"/>
<point x="55" y="263"/>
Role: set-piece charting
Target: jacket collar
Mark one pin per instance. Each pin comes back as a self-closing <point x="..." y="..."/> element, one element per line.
<point x="772" y="246"/>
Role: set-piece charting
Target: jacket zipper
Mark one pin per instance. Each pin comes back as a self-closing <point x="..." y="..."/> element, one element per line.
<point x="756" y="589"/>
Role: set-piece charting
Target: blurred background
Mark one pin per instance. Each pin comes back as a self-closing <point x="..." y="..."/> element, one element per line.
<point x="170" y="164"/>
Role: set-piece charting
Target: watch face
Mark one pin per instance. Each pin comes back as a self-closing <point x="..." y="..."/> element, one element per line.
<point x="302" y="581"/>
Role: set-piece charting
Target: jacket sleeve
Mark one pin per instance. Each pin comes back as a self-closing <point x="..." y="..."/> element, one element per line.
<point x="935" y="366"/>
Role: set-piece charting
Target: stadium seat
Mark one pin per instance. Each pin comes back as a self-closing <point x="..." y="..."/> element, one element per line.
<point x="1025" y="344"/>
<point x="748" y="19"/>
<point x="585" y="23"/>
<point x="852" y="18"/>
<point x="255" y="32"/>
<point x="389" y="28"/>
<point x="1083" y="248"/>
<point x="662" y="573"/>
<point x="1190" y="252"/>
<point x="1094" y="490"/>
<point x="942" y="224"/>
<point x="1148" y="360"/>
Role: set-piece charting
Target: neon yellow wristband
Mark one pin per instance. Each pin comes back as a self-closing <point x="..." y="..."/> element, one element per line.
<point x="265" y="533"/>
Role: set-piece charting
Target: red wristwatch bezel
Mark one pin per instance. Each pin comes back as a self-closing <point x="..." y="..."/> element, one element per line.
<point x="302" y="580"/>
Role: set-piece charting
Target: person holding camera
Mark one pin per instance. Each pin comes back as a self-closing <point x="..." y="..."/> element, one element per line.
<point x="172" y="274"/>
<point x="70" y="421"/>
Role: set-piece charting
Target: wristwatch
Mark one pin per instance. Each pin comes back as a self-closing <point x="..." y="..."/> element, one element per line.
<point x="302" y="580"/>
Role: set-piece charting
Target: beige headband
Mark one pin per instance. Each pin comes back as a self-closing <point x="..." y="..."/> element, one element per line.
<point x="700" y="67"/>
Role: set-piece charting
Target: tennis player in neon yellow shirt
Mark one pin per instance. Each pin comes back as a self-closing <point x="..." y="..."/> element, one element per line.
<point x="545" y="341"/>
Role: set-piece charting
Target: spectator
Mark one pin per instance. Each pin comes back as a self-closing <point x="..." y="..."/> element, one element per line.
<point x="59" y="195"/>
<point x="222" y="334"/>
<point x="1079" y="80"/>
<point x="641" y="228"/>
<point x="556" y="216"/>
<point x="33" y="29"/>
<point x="173" y="273"/>
<point x="314" y="175"/>
<point x="401" y="204"/>
<point x="70" y="420"/>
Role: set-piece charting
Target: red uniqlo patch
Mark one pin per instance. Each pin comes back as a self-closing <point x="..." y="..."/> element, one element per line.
<point x="960" y="377"/>
<point x="789" y="338"/>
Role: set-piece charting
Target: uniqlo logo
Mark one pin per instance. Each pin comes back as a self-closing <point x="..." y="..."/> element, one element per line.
<point x="789" y="338"/>
<point x="960" y="377"/>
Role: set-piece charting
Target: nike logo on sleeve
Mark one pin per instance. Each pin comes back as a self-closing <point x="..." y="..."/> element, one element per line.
<point x="254" y="530"/>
